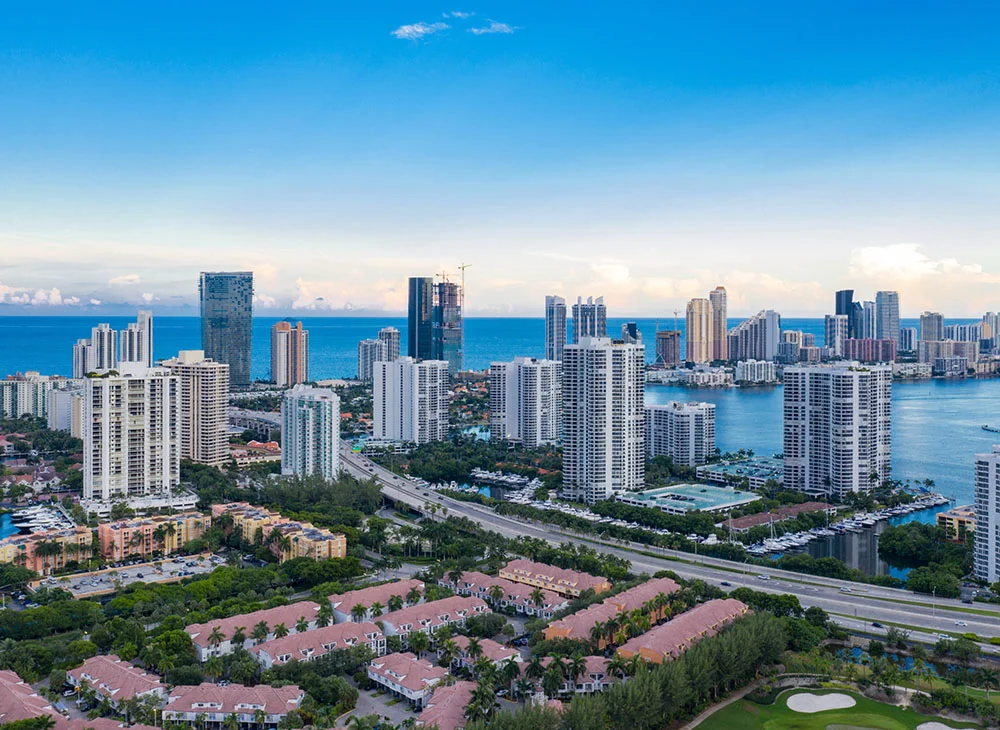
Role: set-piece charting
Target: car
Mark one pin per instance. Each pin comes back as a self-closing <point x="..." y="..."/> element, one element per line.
<point x="427" y="494"/>
<point x="138" y="575"/>
<point x="961" y="623"/>
<point x="845" y="589"/>
<point x="502" y="693"/>
<point x="69" y="693"/>
<point x="763" y="576"/>
<point x="876" y="624"/>
<point x="967" y="600"/>
<point x="726" y="583"/>
<point x="944" y="636"/>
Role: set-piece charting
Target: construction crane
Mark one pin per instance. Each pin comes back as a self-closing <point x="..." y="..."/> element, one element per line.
<point x="676" y="314"/>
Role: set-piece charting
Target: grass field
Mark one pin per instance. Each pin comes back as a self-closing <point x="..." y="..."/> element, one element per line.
<point x="866" y="715"/>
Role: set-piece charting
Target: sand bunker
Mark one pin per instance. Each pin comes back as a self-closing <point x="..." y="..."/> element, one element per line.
<point x="809" y="703"/>
<point x="934" y="726"/>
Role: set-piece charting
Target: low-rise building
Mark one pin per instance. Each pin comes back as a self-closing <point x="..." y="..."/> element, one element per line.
<point x="446" y="708"/>
<point x="742" y="524"/>
<point x="756" y="372"/>
<point x="670" y="640"/>
<point x="115" y="680"/>
<point x="559" y="580"/>
<point x="912" y="370"/>
<point x="143" y="536"/>
<point x="45" y="551"/>
<point x="20" y="701"/>
<point x="958" y="521"/>
<point x="406" y="676"/>
<point x="453" y="611"/>
<point x="488" y="649"/>
<point x="287" y="538"/>
<point x="215" y="638"/>
<point x="319" y="642"/>
<point x="753" y="472"/>
<point x="347" y="606"/>
<point x="595" y="677"/>
<point x="518" y="596"/>
<point x="208" y="705"/>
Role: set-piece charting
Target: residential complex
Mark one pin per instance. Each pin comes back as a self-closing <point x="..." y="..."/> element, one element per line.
<point x="756" y="338"/>
<point x="45" y="551"/>
<point x="115" y="680"/>
<point x="407" y="677"/>
<point x="389" y="337"/>
<point x="526" y="401"/>
<point x="207" y="705"/>
<point x="29" y="394"/>
<point x="683" y="431"/>
<point x="563" y="581"/>
<point x="375" y="600"/>
<point x="446" y="708"/>
<point x="986" y="554"/>
<point x="668" y="641"/>
<point x="603" y="419"/>
<point x="227" y="321"/>
<point x="837" y="427"/>
<point x="318" y="642"/>
<point x="99" y="354"/>
<point x="203" y="411"/>
<point x="410" y="400"/>
<point x="958" y="522"/>
<point x="521" y="597"/>
<point x="143" y="536"/>
<point x="65" y="409"/>
<point x="221" y="636"/>
<point x="590" y="319"/>
<point x="370" y="351"/>
<point x="135" y="342"/>
<point x="453" y="612"/>
<point x="555" y="327"/>
<point x="289" y="354"/>
<point x="868" y="350"/>
<point x="497" y="653"/>
<point x="287" y="538"/>
<point x="310" y="432"/>
<point x="756" y="372"/>
<point x="931" y="326"/>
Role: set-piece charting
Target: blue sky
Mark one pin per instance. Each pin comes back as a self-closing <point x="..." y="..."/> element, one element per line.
<point x="643" y="151"/>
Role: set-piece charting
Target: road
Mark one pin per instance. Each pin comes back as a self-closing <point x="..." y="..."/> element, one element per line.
<point x="842" y="599"/>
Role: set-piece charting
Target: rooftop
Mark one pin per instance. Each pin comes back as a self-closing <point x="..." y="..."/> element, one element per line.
<point x="492" y="650"/>
<point x="19" y="701"/>
<point x="674" y="637"/>
<point x="316" y="643"/>
<point x="234" y="698"/>
<point x="436" y="613"/>
<point x="286" y="615"/>
<point x="571" y="579"/>
<point x="406" y="670"/>
<point x="375" y="594"/>
<point x="446" y="709"/>
<point x="115" y="678"/>
<point x="756" y="467"/>
<point x="691" y="497"/>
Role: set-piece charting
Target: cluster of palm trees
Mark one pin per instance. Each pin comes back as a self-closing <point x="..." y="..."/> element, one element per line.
<point x="394" y="603"/>
<point x="627" y="625"/>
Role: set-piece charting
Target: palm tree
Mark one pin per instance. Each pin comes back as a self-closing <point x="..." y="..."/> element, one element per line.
<point x="213" y="668"/>
<point x="302" y="624"/>
<point x="538" y="598"/>
<point x="577" y="667"/>
<point x="474" y="648"/>
<point x="455" y="575"/>
<point x="377" y="609"/>
<point x="618" y="666"/>
<point x="413" y="596"/>
<point x="325" y="615"/>
<point x="239" y="636"/>
<point x="259" y="717"/>
<point x="989" y="679"/>
<point x="394" y="603"/>
<point x="535" y="669"/>
<point x="495" y="594"/>
<point x="216" y="637"/>
<point x="359" y="612"/>
<point x="418" y="641"/>
<point x="509" y="671"/>
<point x="231" y="722"/>
<point x="447" y="652"/>
<point x="522" y="688"/>
<point x="280" y="631"/>
<point x="260" y="632"/>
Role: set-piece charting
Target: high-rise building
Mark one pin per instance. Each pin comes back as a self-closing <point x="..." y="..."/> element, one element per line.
<point x="759" y="371"/>
<point x="449" y="326"/>
<point x="410" y="400"/>
<point x="991" y="330"/>
<point x="969" y="332"/>
<point x="630" y="333"/>
<point x="869" y="322"/>
<point x="986" y="550"/>
<point x="756" y="338"/>
<point x="526" y="401"/>
<point x="908" y="339"/>
<point x="555" y="327"/>
<point x="698" y="336"/>
<point x="835" y="331"/>
<point x="837" y="427"/>
<point x="289" y="354"/>
<point x="390" y="337"/>
<point x="668" y="348"/>
<point x="869" y="350"/>
<point x="603" y="420"/>
<point x="66" y="411"/>
<point x="420" y="332"/>
<point x="683" y="431"/>
<point x="844" y="302"/>
<point x="136" y="340"/>
<point x="720" y="326"/>
<point x="931" y="326"/>
<point x="310" y="432"/>
<point x="369" y="352"/>
<point x="203" y="413"/>
<point x="590" y="318"/>
<point x="28" y="394"/>
<point x="930" y="350"/>
<point x="227" y="321"/>
<point x="131" y="434"/>
<point x="887" y="315"/>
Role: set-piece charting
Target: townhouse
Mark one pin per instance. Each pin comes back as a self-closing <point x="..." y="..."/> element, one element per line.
<point x="594" y="678"/>
<point x="453" y="611"/>
<point x="144" y="536"/>
<point x="215" y="638"/>
<point x="115" y="680"/>
<point x="670" y="640"/>
<point x="518" y="596"/>
<point x="382" y="597"/>
<point x="489" y="649"/>
<point x="446" y="708"/>
<point x="19" y="700"/>
<point x="406" y="676"/>
<point x="319" y="642"/>
<point x="208" y="705"/>
<point x="560" y="580"/>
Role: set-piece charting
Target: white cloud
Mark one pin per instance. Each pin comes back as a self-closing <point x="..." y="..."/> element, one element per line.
<point x="416" y="31"/>
<point x="52" y="297"/>
<point x="457" y="14"/>
<point x="264" y="301"/>
<point x="72" y="301"/>
<point x="493" y="27"/>
<point x="95" y="302"/>
<point x="124" y="280"/>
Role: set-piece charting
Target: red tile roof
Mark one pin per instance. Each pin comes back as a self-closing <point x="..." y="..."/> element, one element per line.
<point x="573" y="580"/>
<point x="116" y="679"/>
<point x="316" y="643"/>
<point x="518" y="593"/>
<point x="673" y="638"/>
<point x="235" y="698"/>
<point x="19" y="701"/>
<point x="580" y="623"/>
<point x="446" y="709"/>
<point x="286" y="615"/>
<point x="492" y="650"/>
<point x="436" y="613"/>
<point x="375" y="594"/>
<point x="406" y="670"/>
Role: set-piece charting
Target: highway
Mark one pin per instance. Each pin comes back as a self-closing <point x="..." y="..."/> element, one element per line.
<point x="847" y="601"/>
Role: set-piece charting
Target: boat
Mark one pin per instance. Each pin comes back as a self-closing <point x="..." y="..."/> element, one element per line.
<point x="991" y="429"/>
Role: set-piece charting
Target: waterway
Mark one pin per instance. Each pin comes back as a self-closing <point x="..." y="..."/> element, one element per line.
<point x="7" y="526"/>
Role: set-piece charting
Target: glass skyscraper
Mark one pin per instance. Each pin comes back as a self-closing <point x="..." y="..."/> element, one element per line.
<point x="435" y="322"/>
<point x="420" y="333"/>
<point x="227" y="321"/>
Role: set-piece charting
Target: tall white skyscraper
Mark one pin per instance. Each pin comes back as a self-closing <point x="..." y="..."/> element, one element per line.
<point x="370" y="351"/>
<point x="699" y="335"/>
<point x="590" y="318"/>
<point x="720" y="328"/>
<point x="887" y="316"/>
<point x="410" y="400"/>
<point x="289" y="353"/>
<point x="683" y="431"/>
<point x="203" y="387"/>
<point x="603" y="420"/>
<point x="869" y="321"/>
<point x="526" y="401"/>
<point x="756" y="338"/>
<point x="837" y="427"/>
<point x="28" y="394"/>
<point x="131" y="434"/>
<point x="136" y="340"/>
<point x="555" y="327"/>
<point x="390" y="337"/>
<point x="835" y="331"/>
<point x="98" y="354"/>
<point x="908" y="339"/>
<point x="310" y="432"/>
<point x="986" y="551"/>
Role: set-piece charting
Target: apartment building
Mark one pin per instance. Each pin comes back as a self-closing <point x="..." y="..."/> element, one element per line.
<point x="143" y="536"/>
<point x="558" y="580"/>
<point x="316" y="643"/>
<point x="115" y="680"/>
<point x="221" y="636"/>
<point x="668" y="641"/>
<point x="208" y="706"/>
<point x="518" y="596"/>
<point x="683" y="431"/>
<point x="407" y="677"/>
<point x="526" y="401"/>
<point x="203" y="389"/>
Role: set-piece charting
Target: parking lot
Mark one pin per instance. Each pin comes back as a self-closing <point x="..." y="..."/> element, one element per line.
<point x="101" y="582"/>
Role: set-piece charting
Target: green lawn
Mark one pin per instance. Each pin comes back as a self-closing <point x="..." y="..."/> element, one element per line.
<point x="866" y="715"/>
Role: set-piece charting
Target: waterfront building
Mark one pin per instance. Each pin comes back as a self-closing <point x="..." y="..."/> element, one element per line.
<point x="869" y="350"/>
<point x="590" y="319"/>
<point x="310" y="432"/>
<point x="837" y="428"/>
<point x="563" y="581"/>
<point x="136" y="340"/>
<point x="908" y="338"/>
<point x="211" y="705"/>
<point x="630" y="333"/>
<point x="20" y="549"/>
<point x="526" y="401"/>
<point x="991" y="330"/>
<point x="603" y="421"/>
<point x="65" y="409"/>
<point x="958" y="522"/>
<point x="756" y="338"/>
<point x="971" y="332"/>
<point x="142" y="536"/>
<point x="28" y="394"/>
<point x="930" y="350"/>
<point x="227" y="321"/>
<point x="410" y="400"/>
<point x="289" y="354"/>
<point x="953" y="366"/>
<point x="887" y="316"/>
<point x="131" y="444"/>
<point x="370" y="352"/>
<point x="986" y="555"/>
<point x="742" y="525"/>
<point x="681" y="499"/>
<point x="685" y="432"/>
<point x="698" y="336"/>
<point x="203" y="387"/>
<point x="912" y="370"/>
<point x="835" y="331"/>
<point x="420" y="322"/>
<point x="754" y="472"/>
<point x="931" y="326"/>
<point x="720" y="313"/>
<point x="389" y="336"/>
<point x="756" y="371"/>
<point x="668" y="348"/>
<point x="555" y="327"/>
<point x="99" y="354"/>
